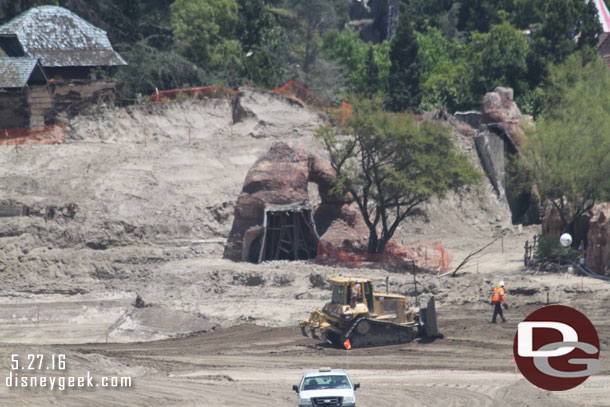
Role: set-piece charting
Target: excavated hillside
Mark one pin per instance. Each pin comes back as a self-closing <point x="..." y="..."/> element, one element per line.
<point x="155" y="187"/>
<point x="157" y="183"/>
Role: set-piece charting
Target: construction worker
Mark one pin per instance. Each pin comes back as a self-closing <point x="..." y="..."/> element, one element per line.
<point x="356" y="293"/>
<point x="497" y="299"/>
<point x="581" y="253"/>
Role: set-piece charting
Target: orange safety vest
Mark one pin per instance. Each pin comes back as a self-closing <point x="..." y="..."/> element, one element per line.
<point x="498" y="295"/>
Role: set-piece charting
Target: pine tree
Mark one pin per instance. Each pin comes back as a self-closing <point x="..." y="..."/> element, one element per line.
<point x="553" y="41"/>
<point x="372" y="73"/>
<point x="590" y="27"/>
<point x="405" y="89"/>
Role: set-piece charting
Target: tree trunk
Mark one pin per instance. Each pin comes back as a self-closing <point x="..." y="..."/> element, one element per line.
<point x="381" y="245"/>
<point x="376" y="244"/>
<point x="373" y="241"/>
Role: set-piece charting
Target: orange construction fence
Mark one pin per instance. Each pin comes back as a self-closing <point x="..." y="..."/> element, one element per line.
<point x="294" y="90"/>
<point x="50" y="134"/>
<point x="429" y="256"/>
<point x="291" y="90"/>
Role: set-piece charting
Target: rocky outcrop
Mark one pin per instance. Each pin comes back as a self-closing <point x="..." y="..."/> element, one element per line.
<point x="374" y="20"/>
<point x="597" y="253"/>
<point x="499" y="110"/>
<point x="552" y="224"/>
<point x="471" y="118"/>
<point x="281" y="177"/>
<point x="342" y="228"/>
<point x="497" y="140"/>
<point x="460" y="126"/>
<point x="492" y="148"/>
<point x="593" y="228"/>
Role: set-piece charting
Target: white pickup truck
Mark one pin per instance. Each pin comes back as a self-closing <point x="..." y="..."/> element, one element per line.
<point x="326" y="387"/>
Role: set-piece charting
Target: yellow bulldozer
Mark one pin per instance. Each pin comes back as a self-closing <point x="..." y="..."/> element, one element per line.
<point x="369" y="318"/>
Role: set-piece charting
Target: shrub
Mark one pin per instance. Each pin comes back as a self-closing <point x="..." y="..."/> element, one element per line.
<point x="549" y="248"/>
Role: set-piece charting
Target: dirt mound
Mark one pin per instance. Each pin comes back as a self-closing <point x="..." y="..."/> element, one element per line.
<point x="155" y="322"/>
<point x="261" y="114"/>
<point x="153" y="183"/>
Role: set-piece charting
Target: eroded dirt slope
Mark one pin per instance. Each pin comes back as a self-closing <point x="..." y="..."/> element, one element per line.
<point x="153" y="210"/>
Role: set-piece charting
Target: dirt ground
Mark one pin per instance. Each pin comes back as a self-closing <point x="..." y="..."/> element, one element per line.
<point x="153" y="212"/>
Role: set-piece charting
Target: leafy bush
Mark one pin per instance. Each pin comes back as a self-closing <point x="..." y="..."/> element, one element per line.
<point x="549" y="248"/>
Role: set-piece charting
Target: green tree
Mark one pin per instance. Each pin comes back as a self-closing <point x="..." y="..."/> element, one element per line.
<point x="253" y="22"/>
<point x="567" y="153"/>
<point x="372" y="73"/>
<point x="528" y="12"/>
<point x="443" y="15"/>
<point x="480" y="15"/>
<point x="346" y="47"/>
<point x="150" y="68"/>
<point x="424" y="11"/>
<point x="555" y="37"/>
<point x="206" y="31"/>
<point x="256" y="30"/>
<point x="382" y="56"/>
<point x="589" y="26"/>
<point x="445" y="72"/>
<point x="448" y="22"/>
<point x="405" y="87"/>
<point x="532" y="101"/>
<point x="314" y="18"/>
<point x="499" y="58"/>
<point x="352" y="53"/>
<point x="390" y="164"/>
<point x="449" y="89"/>
<point x="435" y="51"/>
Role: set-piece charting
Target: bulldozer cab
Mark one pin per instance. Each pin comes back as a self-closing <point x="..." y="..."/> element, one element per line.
<point x="352" y="292"/>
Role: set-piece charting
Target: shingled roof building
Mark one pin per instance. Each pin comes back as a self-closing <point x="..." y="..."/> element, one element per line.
<point x="45" y="43"/>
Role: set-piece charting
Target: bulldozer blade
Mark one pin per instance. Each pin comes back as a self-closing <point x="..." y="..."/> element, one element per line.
<point x="303" y="331"/>
<point x="313" y="334"/>
<point x="430" y="323"/>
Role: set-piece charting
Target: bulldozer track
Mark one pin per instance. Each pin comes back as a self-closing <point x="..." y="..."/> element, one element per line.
<point x="367" y="332"/>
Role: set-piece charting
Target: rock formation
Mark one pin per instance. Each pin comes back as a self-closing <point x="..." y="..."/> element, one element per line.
<point x="597" y="250"/>
<point x="281" y="177"/>
<point x="374" y="20"/>
<point x="498" y="138"/>
<point x="499" y="109"/>
<point x="593" y="228"/>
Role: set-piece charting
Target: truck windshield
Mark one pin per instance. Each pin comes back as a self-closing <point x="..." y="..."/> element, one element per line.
<point x="326" y="382"/>
<point x="338" y="294"/>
